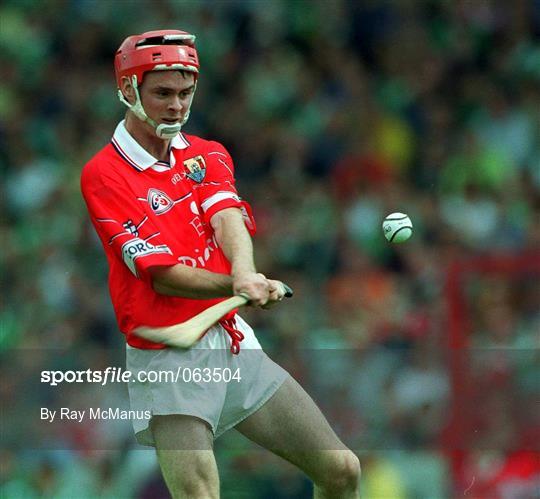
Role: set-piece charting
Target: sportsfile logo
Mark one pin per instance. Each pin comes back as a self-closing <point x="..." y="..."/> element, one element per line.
<point x="136" y="248"/>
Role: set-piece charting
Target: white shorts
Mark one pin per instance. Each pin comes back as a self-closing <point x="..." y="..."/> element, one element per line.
<point x="206" y="381"/>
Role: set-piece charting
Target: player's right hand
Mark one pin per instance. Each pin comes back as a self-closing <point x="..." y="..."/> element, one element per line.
<point x="277" y="293"/>
<point x="254" y="285"/>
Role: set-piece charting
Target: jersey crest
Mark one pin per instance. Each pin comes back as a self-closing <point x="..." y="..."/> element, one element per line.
<point x="196" y="168"/>
<point x="159" y="201"/>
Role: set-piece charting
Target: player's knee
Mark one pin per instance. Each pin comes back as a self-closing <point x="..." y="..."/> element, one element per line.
<point x="343" y="474"/>
<point x="198" y="484"/>
<point x="190" y="474"/>
<point x="348" y="472"/>
<point x="195" y="489"/>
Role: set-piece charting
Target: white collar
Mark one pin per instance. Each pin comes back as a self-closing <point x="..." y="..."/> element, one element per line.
<point x="135" y="154"/>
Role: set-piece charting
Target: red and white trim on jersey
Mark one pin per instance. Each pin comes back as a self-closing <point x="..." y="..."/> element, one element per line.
<point x="220" y="156"/>
<point x="138" y="157"/>
<point x="217" y="197"/>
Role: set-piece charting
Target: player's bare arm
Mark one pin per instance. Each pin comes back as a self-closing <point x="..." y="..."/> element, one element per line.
<point x="232" y="236"/>
<point x="187" y="282"/>
<point x="235" y="241"/>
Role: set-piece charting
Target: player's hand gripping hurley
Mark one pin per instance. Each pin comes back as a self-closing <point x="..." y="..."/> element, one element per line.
<point x="186" y="334"/>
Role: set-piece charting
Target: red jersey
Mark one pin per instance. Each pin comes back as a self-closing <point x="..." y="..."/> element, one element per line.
<point x="150" y="213"/>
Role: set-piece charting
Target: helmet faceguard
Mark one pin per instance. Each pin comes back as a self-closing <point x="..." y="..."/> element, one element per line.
<point x="162" y="50"/>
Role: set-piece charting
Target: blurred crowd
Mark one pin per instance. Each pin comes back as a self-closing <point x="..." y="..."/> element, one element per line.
<point x="336" y="113"/>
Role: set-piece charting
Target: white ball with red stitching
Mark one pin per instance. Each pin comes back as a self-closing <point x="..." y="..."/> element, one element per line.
<point x="397" y="227"/>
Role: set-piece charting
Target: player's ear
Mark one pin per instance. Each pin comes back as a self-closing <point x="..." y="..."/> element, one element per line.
<point x="127" y="89"/>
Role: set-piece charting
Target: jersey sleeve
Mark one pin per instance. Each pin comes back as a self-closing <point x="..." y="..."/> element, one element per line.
<point x="218" y="190"/>
<point x="124" y="228"/>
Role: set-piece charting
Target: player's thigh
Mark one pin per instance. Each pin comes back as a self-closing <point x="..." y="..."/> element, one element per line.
<point x="181" y="432"/>
<point x="292" y="426"/>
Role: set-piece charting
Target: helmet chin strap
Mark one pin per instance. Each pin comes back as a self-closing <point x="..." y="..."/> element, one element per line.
<point x="163" y="131"/>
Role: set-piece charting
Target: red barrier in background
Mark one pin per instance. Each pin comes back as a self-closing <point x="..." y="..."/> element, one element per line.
<point x="459" y="435"/>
